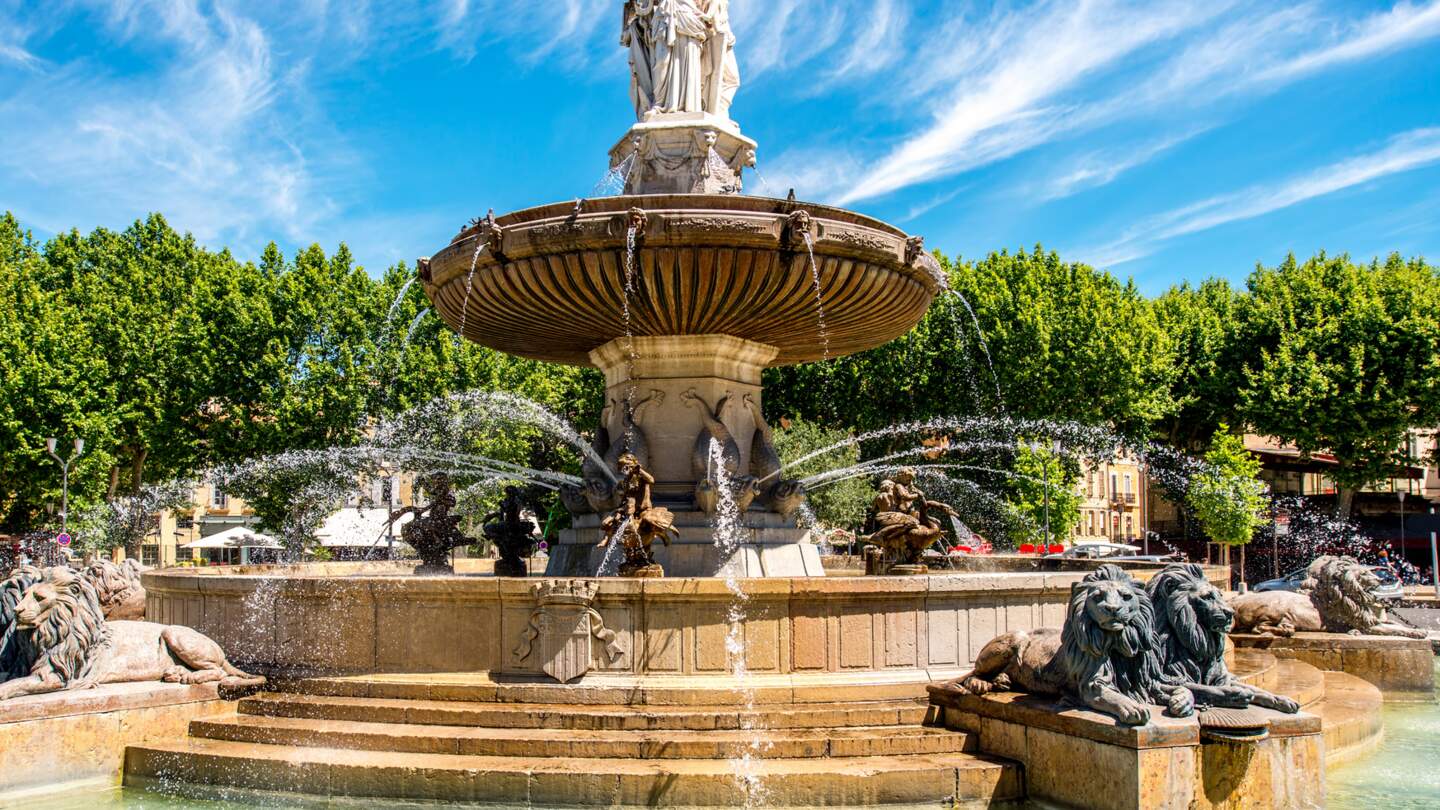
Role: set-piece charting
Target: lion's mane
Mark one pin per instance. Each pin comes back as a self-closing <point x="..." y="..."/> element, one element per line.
<point x="117" y="586"/>
<point x="16" y="654"/>
<point x="1336" y="591"/>
<point x="1125" y="658"/>
<point x="1190" y="652"/>
<point x="69" y="636"/>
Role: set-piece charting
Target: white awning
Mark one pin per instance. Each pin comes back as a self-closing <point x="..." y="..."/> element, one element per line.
<point x="360" y="528"/>
<point x="236" y="537"/>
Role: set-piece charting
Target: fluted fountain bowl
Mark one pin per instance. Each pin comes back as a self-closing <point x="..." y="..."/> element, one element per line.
<point x="549" y="283"/>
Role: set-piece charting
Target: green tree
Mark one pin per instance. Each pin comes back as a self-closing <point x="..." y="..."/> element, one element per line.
<point x="1227" y="497"/>
<point x="1202" y="325"/>
<point x="1345" y="359"/>
<point x="838" y="505"/>
<point x="1066" y="341"/>
<point x="1034" y="466"/>
<point x="52" y="384"/>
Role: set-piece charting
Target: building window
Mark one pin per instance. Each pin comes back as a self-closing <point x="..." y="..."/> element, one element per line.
<point x="1114" y="484"/>
<point x="184" y="554"/>
<point x="1129" y="528"/>
<point x="218" y="499"/>
<point x="150" y="555"/>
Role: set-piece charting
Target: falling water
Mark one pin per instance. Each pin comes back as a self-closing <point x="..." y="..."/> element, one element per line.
<point x="819" y="299"/>
<point x="630" y="354"/>
<point x="470" y="283"/>
<point x="962" y="345"/>
<point x="410" y="333"/>
<point x="984" y="346"/>
<point x="616" y="179"/>
<point x="394" y="308"/>
<point x="610" y="562"/>
<point x="729" y="542"/>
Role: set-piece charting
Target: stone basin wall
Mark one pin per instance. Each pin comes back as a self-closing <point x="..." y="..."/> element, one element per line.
<point x="914" y="628"/>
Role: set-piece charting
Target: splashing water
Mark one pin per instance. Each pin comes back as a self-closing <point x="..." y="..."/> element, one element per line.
<point x="610" y="562"/>
<point x="729" y="541"/>
<point x="616" y="179"/>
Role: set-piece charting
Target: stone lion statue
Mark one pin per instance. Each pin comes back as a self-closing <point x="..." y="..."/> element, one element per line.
<point x="118" y="586"/>
<point x="75" y="648"/>
<point x="1337" y="596"/>
<point x="1191" y="620"/>
<point x="1104" y="657"/>
<point x="15" y="656"/>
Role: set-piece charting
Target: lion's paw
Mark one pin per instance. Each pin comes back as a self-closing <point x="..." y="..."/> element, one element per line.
<point x="1181" y="703"/>
<point x="1002" y="682"/>
<point x="977" y="686"/>
<point x="1134" y="715"/>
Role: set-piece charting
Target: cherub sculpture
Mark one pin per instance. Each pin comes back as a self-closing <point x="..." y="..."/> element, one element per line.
<point x="512" y="533"/>
<point x="434" y="531"/>
<point x="905" y="526"/>
<point x="637" y="523"/>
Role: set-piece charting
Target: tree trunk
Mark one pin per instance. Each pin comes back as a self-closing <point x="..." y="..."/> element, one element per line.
<point x="1344" y="501"/>
<point x="137" y="469"/>
<point x="1242" y="565"/>
<point x="114" y="486"/>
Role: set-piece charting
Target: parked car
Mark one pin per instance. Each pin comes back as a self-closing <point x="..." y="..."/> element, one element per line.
<point x="1289" y="582"/>
<point x="1110" y="551"/>
<point x="1390" y="585"/>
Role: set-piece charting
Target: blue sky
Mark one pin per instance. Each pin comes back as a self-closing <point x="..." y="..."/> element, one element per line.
<point x="1164" y="140"/>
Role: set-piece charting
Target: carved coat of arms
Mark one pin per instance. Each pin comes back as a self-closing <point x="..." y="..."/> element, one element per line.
<point x="562" y="626"/>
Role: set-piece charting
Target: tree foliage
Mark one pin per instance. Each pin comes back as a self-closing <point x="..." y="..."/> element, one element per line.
<point x="1228" y="498"/>
<point x="1343" y="358"/>
<point x="1038" y="470"/>
<point x="838" y="505"/>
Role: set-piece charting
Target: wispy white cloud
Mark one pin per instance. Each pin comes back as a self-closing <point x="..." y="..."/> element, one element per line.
<point x="1402" y="26"/>
<point x="1062" y="44"/>
<point x="1096" y="169"/>
<point x="1405" y="152"/>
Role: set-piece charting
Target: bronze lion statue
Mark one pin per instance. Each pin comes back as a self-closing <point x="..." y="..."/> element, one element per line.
<point x="1104" y="658"/>
<point x="1191" y="620"/>
<point x="1337" y="596"/>
<point x="15" y="654"/>
<point x="119" y="589"/>
<point x="75" y="648"/>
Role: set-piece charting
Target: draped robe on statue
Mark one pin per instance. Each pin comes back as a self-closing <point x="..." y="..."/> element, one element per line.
<point x="680" y="33"/>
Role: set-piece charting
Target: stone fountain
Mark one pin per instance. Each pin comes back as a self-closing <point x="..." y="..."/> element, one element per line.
<point x="682" y="291"/>
<point x="773" y="686"/>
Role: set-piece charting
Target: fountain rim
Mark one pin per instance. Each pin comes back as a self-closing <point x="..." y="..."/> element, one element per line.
<point x="503" y="250"/>
<point x="733" y="203"/>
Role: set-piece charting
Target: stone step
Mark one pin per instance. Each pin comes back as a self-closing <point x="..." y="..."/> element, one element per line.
<point x="598" y="689"/>
<point x="594" y="718"/>
<point x="1350" y="717"/>
<point x="1257" y="668"/>
<point x="956" y="780"/>
<point x="1300" y="682"/>
<point x="567" y="743"/>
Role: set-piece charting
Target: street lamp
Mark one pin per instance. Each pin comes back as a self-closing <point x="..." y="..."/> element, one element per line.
<point x="1402" y="494"/>
<point x="64" y="478"/>
<point x="1051" y="451"/>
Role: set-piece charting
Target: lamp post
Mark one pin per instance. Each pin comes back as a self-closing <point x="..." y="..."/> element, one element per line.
<point x="1049" y="452"/>
<point x="1402" y="494"/>
<point x="64" y="478"/>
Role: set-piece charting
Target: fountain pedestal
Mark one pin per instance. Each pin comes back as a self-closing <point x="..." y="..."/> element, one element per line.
<point x="683" y="153"/>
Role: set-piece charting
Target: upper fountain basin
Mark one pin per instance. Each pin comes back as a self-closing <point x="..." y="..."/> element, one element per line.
<point x="549" y="283"/>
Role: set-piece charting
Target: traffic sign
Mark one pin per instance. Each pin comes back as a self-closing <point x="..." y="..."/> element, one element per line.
<point x="63" y="539"/>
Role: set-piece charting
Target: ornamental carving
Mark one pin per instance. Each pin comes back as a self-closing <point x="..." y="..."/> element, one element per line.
<point x="563" y="625"/>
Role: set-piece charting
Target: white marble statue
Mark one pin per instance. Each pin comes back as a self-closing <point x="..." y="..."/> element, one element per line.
<point x="682" y="56"/>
